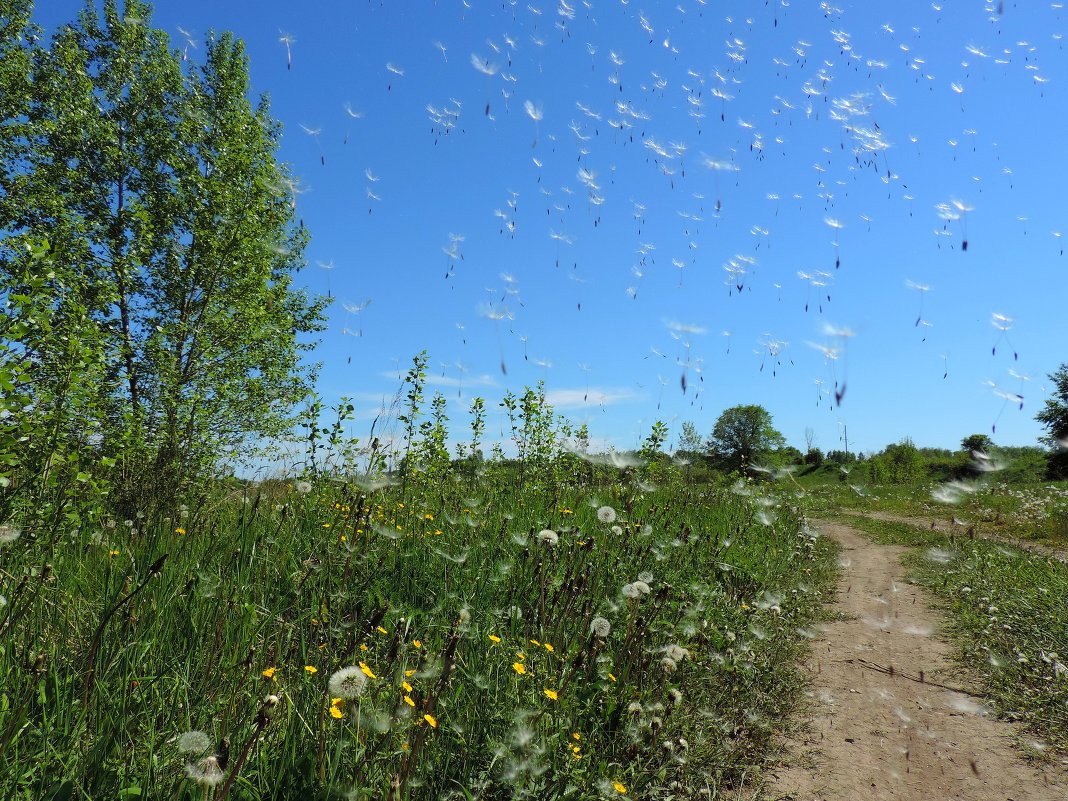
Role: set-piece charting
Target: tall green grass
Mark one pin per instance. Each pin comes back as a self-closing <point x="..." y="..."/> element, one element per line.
<point x="479" y="670"/>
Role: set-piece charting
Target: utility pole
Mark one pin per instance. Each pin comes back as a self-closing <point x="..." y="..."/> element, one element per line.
<point x="845" y="433"/>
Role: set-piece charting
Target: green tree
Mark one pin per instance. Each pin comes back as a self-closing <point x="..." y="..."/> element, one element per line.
<point x="1054" y="416"/>
<point x="690" y="440"/>
<point x="742" y="436"/>
<point x="173" y="226"/>
<point x="977" y="442"/>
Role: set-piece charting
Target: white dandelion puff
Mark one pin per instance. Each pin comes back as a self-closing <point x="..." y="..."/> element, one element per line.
<point x="348" y="683"/>
<point x="606" y="514"/>
<point x="194" y="742"/>
<point x="600" y="627"/>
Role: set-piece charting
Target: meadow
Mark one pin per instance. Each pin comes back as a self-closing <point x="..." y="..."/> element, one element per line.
<point x="555" y="629"/>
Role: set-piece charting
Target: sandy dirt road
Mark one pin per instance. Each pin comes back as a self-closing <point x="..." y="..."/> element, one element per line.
<point x="875" y="734"/>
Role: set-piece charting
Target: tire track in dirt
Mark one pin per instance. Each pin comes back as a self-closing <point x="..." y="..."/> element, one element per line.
<point x="876" y="735"/>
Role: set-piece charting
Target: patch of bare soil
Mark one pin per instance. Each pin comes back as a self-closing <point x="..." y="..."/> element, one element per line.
<point x="962" y="530"/>
<point x="884" y="722"/>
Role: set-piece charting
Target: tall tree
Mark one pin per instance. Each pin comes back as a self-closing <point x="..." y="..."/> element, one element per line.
<point x="173" y="225"/>
<point x="742" y="436"/>
<point x="1054" y="416"/>
<point x="977" y="443"/>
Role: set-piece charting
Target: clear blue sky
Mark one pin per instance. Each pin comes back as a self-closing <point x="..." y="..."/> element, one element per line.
<point x="688" y="164"/>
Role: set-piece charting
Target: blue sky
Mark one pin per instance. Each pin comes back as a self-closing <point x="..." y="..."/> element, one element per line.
<point x="647" y="192"/>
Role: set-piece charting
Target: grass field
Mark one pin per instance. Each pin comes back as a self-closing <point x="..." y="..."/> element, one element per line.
<point x="486" y="640"/>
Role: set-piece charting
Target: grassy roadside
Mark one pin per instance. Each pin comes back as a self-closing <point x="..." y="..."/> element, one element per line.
<point x="490" y="643"/>
<point x="1007" y="616"/>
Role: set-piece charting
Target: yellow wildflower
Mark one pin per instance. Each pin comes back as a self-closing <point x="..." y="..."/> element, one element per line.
<point x="407" y="687"/>
<point x="269" y="673"/>
<point x="519" y="668"/>
<point x="311" y="668"/>
<point x="549" y="648"/>
<point x="576" y="736"/>
<point x="408" y="700"/>
<point x="409" y="673"/>
<point x="381" y="630"/>
<point x="494" y="638"/>
<point x="611" y="677"/>
<point x="417" y="643"/>
<point x="535" y="643"/>
<point x="431" y="720"/>
<point x="428" y="516"/>
<point x="367" y="671"/>
<point x="552" y="695"/>
<point x="179" y="530"/>
<point x="619" y="788"/>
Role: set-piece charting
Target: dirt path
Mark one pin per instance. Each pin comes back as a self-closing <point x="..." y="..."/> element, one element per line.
<point x="875" y="736"/>
<point x="947" y="527"/>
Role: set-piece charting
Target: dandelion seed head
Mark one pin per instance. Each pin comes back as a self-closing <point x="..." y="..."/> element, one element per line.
<point x="548" y="536"/>
<point x="207" y="772"/>
<point x="600" y="627"/>
<point x="606" y="514"/>
<point x="194" y="742"/>
<point x="348" y="683"/>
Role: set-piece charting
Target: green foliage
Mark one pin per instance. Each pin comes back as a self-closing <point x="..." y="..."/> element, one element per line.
<point x="900" y="463"/>
<point x="977" y="442"/>
<point x="1054" y="416"/>
<point x="439" y="602"/>
<point x="742" y="436"/>
<point x="172" y="247"/>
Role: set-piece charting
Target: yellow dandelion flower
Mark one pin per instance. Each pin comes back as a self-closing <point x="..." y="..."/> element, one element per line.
<point x="269" y="673"/>
<point x="311" y="669"/>
<point x="431" y="720"/>
<point x="409" y="673"/>
<point x="113" y="552"/>
<point x="520" y="655"/>
<point x="336" y="713"/>
<point x="611" y="677"/>
<point x="576" y="736"/>
<point x="417" y="643"/>
<point x="367" y="671"/>
<point x="552" y="695"/>
<point x="519" y="668"/>
<point x="535" y="643"/>
<point x="326" y="525"/>
<point x="619" y="788"/>
<point x="408" y="700"/>
<point x="363" y="646"/>
<point x="437" y="532"/>
<point x="344" y="538"/>
<point x="407" y="687"/>
<point x="381" y="630"/>
<point x="494" y="638"/>
<point x="548" y="647"/>
<point x="428" y="516"/>
<point x="179" y="530"/>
